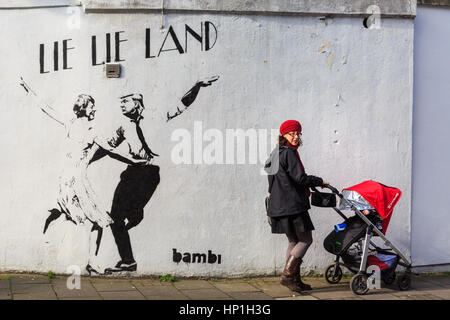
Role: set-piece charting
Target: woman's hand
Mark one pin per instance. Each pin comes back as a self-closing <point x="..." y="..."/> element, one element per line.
<point x="324" y="184"/>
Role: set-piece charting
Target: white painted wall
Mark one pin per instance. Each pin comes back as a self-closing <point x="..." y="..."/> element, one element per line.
<point x="431" y="154"/>
<point x="351" y="88"/>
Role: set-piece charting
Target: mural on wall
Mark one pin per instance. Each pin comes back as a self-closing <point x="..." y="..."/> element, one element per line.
<point x="77" y="200"/>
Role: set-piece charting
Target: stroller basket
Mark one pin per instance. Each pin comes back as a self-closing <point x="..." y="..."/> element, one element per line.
<point x="386" y="266"/>
<point x="338" y="242"/>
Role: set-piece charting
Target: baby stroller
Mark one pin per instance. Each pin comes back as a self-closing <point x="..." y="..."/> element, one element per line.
<point x="351" y="240"/>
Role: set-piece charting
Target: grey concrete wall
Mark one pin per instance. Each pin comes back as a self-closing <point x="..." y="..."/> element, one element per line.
<point x="349" y="86"/>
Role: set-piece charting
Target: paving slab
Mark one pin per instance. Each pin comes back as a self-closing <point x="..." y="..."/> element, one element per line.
<point x="335" y="293"/>
<point x="29" y="279"/>
<point x="82" y="298"/>
<point x="441" y="291"/>
<point x="62" y="284"/>
<point x="4" y="284"/>
<point x="331" y="288"/>
<point x="416" y="296"/>
<point x="250" y="296"/>
<point x="107" y="280"/>
<point x="436" y="280"/>
<point x="122" y="295"/>
<point x="26" y="291"/>
<point x="235" y="287"/>
<point x="305" y="297"/>
<point x="348" y="298"/>
<point x="382" y="290"/>
<point x="421" y="284"/>
<point x="266" y="279"/>
<point x="379" y="296"/>
<point x="205" y="294"/>
<point x="162" y="293"/>
<point x="31" y="288"/>
<point x="439" y="294"/>
<point x="410" y="294"/>
<point x="35" y="296"/>
<point x="84" y="291"/>
<point x="325" y="286"/>
<point x="193" y="284"/>
<point x="63" y="281"/>
<point x="274" y="289"/>
<point x="150" y="282"/>
<point x="111" y="285"/>
<point x="5" y="294"/>
<point x="320" y="283"/>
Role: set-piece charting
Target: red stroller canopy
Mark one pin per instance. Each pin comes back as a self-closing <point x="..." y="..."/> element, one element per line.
<point x="381" y="197"/>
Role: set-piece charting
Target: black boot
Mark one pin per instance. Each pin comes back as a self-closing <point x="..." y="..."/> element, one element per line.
<point x="303" y="286"/>
<point x="289" y="275"/>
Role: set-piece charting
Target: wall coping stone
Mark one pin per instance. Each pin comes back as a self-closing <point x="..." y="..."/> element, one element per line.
<point x="388" y="8"/>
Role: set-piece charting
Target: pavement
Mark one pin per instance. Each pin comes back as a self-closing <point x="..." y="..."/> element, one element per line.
<point x="42" y="287"/>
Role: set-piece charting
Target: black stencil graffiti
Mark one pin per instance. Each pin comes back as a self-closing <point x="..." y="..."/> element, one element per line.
<point x="112" y="49"/>
<point x="190" y="96"/>
<point x="77" y="200"/>
<point x="65" y="50"/>
<point x="117" y="42"/>
<point x="196" y="257"/>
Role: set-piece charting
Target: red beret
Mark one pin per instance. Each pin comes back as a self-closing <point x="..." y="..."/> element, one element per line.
<point x="290" y="125"/>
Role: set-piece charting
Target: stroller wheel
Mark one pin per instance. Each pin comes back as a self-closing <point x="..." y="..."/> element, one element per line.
<point x="390" y="280"/>
<point x="404" y="282"/>
<point x="358" y="284"/>
<point x="332" y="274"/>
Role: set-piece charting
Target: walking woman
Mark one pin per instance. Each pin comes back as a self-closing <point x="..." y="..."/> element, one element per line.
<point x="288" y="203"/>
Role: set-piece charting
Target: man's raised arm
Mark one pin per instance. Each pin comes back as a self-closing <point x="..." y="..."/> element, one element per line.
<point x="191" y="95"/>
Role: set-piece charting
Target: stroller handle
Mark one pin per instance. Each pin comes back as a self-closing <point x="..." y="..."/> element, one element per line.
<point x="333" y="189"/>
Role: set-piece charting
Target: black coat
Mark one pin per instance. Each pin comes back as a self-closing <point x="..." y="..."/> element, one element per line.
<point x="289" y="186"/>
